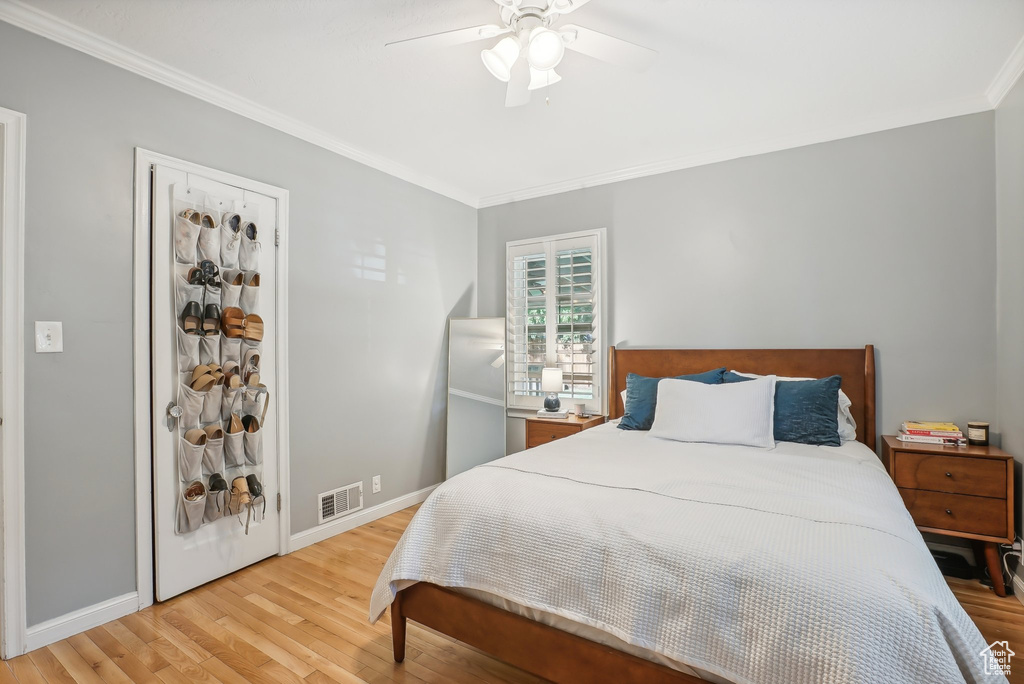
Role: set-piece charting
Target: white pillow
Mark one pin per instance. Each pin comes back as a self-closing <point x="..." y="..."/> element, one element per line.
<point x="847" y="425"/>
<point x="734" y="413"/>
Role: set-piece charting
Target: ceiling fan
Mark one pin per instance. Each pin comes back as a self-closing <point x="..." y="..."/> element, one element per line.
<point x="532" y="46"/>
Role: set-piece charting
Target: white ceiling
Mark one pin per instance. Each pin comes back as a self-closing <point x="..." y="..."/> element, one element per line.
<point x="733" y="77"/>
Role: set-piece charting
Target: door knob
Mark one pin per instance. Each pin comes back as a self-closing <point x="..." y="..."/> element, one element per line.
<point x="173" y="413"/>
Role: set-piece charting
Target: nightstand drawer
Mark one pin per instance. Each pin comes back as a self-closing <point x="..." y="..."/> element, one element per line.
<point x="956" y="512"/>
<point x="537" y="432"/>
<point x="954" y="474"/>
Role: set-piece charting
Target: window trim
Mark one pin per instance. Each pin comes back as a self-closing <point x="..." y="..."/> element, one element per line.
<point x="518" y="405"/>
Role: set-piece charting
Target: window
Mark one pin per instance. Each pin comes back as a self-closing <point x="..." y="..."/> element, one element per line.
<point x="554" y="318"/>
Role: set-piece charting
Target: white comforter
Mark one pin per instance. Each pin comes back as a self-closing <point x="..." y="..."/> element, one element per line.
<point x="798" y="564"/>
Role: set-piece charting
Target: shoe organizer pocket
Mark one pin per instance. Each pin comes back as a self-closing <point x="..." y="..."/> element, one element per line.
<point x="191" y="403"/>
<point x="253" y="443"/>
<point x="249" y="255"/>
<point x="213" y="457"/>
<point x="231" y="402"/>
<point x="234" y="450"/>
<point x="251" y="345"/>
<point x="188" y="350"/>
<point x="209" y="349"/>
<point x="230" y="349"/>
<point x="211" y="404"/>
<point x="208" y="248"/>
<point x="190" y="513"/>
<point x="229" y="240"/>
<point x="215" y="506"/>
<point x="190" y="460"/>
<point x="230" y="295"/>
<point x="254" y="402"/>
<point x="186" y="235"/>
<point x="249" y="299"/>
<point x="185" y="293"/>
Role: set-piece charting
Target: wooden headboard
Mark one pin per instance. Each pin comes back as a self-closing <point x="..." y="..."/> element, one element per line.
<point x="855" y="366"/>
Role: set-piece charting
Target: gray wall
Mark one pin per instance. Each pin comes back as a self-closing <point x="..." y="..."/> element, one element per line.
<point x="367" y="357"/>
<point x="1010" y="254"/>
<point x="886" y="238"/>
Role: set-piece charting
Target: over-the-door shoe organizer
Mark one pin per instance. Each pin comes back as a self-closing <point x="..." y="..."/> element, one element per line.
<point x="219" y="335"/>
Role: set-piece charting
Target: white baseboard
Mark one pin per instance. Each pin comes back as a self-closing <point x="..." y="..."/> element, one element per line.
<point x="46" y="633"/>
<point x="328" y="530"/>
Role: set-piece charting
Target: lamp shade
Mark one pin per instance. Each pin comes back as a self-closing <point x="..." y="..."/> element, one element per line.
<point x="542" y="79"/>
<point x="545" y="49"/>
<point x="551" y="380"/>
<point x="500" y="58"/>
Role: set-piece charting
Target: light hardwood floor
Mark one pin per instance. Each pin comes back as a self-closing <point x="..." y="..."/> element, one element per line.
<point x="302" y="618"/>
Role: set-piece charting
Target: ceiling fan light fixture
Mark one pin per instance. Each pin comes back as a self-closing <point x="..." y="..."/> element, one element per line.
<point x="545" y="50"/>
<point x="542" y="79"/>
<point x="500" y="58"/>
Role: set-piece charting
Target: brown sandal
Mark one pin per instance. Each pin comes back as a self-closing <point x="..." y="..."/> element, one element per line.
<point x="253" y="328"/>
<point x="232" y="322"/>
<point x="195" y="491"/>
<point x="235" y="425"/>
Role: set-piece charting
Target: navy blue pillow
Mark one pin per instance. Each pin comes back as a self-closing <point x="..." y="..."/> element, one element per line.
<point x="806" y="411"/>
<point x="642" y="397"/>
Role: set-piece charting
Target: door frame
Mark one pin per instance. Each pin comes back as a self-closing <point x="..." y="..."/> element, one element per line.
<point x="142" y="341"/>
<point x="13" y="626"/>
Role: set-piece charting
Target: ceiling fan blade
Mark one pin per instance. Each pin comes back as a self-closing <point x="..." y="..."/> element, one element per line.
<point x="565" y="6"/>
<point x="518" y="93"/>
<point x="456" y="37"/>
<point x="607" y="48"/>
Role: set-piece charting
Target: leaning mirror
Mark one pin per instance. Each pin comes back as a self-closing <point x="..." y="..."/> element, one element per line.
<point x="476" y="392"/>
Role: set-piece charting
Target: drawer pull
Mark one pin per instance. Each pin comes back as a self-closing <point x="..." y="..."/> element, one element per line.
<point x="949" y="474"/>
<point x="553" y="437"/>
<point x="949" y="512"/>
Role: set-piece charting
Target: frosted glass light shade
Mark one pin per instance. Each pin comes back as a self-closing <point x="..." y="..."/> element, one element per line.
<point x="545" y="49"/>
<point x="551" y="380"/>
<point x="542" y="79"/>
<point x="500" y="58"/>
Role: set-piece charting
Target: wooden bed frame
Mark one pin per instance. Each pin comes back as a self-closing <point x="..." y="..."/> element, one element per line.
<point x="560" y="656"/>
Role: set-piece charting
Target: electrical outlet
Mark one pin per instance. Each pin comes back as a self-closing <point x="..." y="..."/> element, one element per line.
<point x="376" y="484"/>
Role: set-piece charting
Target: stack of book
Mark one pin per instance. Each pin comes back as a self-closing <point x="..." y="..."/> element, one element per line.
<point x="924" y="432"/>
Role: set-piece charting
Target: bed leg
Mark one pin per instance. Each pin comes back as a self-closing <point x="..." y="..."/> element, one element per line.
<point x="398" y="628"/>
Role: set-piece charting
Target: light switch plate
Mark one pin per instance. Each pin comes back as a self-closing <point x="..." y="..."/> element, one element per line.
<point x="49" y="337"/>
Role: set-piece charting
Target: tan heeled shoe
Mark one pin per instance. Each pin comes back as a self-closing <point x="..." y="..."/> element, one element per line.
<point x="196" y="436"/>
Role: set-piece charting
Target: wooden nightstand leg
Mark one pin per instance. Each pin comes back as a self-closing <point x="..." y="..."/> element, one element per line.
<point x="995" y="568"/>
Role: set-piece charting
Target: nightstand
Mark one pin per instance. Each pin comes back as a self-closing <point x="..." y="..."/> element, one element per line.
<point x="543" y="430"/>
<point x="957" y="491"/>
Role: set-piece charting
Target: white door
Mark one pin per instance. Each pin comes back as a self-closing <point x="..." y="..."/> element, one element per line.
<point x="189" y="554"/>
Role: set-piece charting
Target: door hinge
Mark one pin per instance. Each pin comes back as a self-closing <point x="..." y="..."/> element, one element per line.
<point x="279" y="502"/>
<point x="277" y="237"/>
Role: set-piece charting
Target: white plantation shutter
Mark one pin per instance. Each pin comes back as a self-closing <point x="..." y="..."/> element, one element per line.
<point x="553" y="318"/>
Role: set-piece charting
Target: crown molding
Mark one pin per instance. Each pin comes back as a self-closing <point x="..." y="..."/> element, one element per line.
<point x="945" y="110"/>
<point x="48" y="26"/>
<point x="1007" y="77"/>
<point x="25" y="16"/>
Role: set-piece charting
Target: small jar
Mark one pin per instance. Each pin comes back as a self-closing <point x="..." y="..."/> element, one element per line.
<point x="977" y="433"/>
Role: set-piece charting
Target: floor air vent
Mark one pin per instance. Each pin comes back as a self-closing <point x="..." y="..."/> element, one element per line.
<point x="340" y="502"/>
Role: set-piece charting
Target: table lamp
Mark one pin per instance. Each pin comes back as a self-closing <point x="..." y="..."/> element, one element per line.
<point x="551" y="382"/>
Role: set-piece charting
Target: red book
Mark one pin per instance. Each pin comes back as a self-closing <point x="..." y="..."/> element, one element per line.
<point x="935" y="433"/>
